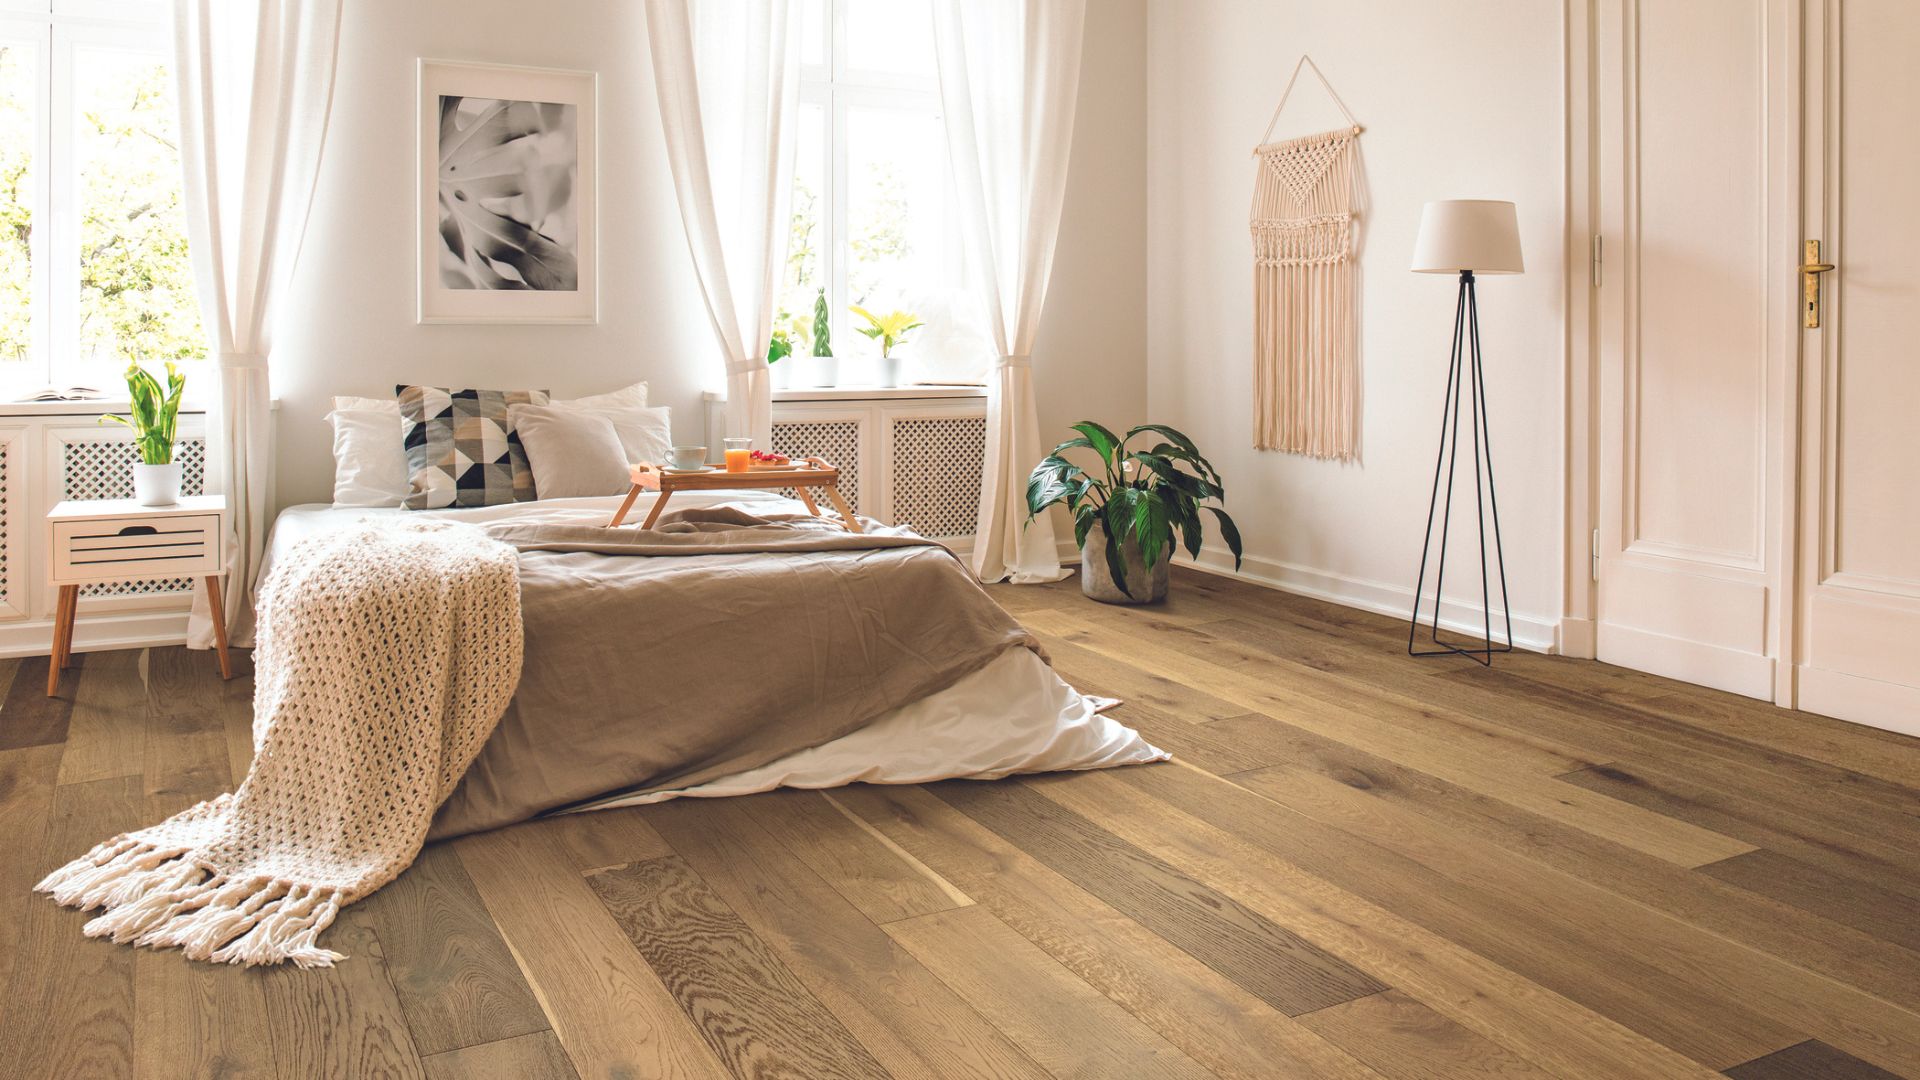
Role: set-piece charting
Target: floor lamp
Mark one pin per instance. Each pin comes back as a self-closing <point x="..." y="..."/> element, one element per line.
<point x="1464" y="237"/>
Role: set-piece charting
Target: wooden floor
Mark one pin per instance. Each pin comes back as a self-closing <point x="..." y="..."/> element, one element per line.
<point x="1359" y="865"/>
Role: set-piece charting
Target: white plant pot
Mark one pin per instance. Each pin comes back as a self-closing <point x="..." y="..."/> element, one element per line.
<point x="156" y="485"/>
<point x="819" y="371"/>
<point x="889" y="371"/>
<point x="781" y="372"/>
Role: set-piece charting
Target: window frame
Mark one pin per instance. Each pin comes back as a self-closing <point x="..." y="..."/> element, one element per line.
<point x="56" y="28"/>
<point x="837" y="87"/>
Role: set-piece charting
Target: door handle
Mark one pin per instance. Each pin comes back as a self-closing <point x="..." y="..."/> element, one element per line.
<point x="1810" y="272"/>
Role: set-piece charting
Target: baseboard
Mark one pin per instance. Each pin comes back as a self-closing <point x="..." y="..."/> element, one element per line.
<point x="1576" y="637"/>
<point x="93" y="633"/>
<point x="1889" y="706"/>
<point x="1733" y="670"/>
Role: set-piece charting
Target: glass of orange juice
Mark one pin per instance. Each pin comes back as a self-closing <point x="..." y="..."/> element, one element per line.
<point x="739" y="454"/>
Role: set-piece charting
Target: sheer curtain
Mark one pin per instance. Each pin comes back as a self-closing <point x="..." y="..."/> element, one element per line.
<point x="728" y="74"/>
<point x="1009" y="78"/>
<point x="256" y="86"/>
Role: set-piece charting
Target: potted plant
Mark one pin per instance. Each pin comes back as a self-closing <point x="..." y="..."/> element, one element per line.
<point x="823" y="369"/>
<point x="788" y="330"/>
<point x="889" y="330"/>
<point x="153" y="417"/>
<point x="1124" y="518"/>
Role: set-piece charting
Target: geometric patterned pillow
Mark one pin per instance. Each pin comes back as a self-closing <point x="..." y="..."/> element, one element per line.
<point x="461" y="447"/>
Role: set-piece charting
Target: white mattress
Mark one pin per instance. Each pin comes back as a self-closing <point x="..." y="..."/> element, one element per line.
<point x="1013" y="716"/>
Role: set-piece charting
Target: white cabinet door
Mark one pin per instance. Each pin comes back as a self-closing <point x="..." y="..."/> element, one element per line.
<point x="1697" y="180"/>
<point x="1858" y="654"/>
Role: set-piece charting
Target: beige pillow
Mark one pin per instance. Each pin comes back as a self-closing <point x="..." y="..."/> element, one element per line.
<point x="573" y="452"/>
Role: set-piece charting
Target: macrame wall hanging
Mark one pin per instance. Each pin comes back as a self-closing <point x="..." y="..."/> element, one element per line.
<point x="1306" y="328"/>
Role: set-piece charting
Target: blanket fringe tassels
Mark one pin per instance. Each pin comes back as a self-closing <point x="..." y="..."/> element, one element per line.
<point x="1306" y="357"/>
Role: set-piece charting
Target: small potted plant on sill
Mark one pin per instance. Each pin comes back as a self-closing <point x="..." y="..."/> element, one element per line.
<point x="889" y="330"/>
<point x="1124" y="519"/>
<point x="789" y="332"/>
<point x="154" y="415"/>
<point x="822" y="369"/>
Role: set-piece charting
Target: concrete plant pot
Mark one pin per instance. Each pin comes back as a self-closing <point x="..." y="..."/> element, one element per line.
<point x="1096" y="580"/>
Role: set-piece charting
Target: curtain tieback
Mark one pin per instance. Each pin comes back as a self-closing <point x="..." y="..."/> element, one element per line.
<point x="243" y="360"/>
<point x="1014" y="362"/>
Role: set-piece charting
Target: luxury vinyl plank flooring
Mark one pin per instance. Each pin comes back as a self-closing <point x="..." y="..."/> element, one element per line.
<point x="1360" y="865"/>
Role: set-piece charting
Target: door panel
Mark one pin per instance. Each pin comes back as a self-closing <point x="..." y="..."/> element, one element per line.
<point x="1859" y="596"/>
<point x="1697" y="106"/>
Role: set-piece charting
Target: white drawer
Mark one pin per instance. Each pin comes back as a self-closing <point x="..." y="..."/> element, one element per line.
<point x="118" y="549"/>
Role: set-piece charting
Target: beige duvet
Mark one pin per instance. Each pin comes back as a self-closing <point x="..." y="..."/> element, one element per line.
<point x="679" y="655"/>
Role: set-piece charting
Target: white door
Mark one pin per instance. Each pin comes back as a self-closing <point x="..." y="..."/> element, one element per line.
<point x="1857" y="651"/>
<point x="1697" y="177"/>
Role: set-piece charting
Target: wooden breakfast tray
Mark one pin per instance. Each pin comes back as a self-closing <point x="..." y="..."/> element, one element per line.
<point x="806" y="473"/>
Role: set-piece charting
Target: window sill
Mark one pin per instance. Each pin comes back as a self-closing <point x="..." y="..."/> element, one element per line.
<point x="92" y="407"/>
<point x="868" y="393"/>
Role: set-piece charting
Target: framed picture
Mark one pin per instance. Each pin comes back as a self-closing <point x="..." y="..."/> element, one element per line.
<point x="507" y="194"/>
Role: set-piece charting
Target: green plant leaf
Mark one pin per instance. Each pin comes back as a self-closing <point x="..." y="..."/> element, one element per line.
<point x="1100" y="439"/>
<point x="1151" y="528"/>
<point x="1049" y="482"/>
<point x="1118" y="521"/>
<point x="1230" y="532"/>
<point x="1185" y="515"/>
<point x="1083" y="518"/>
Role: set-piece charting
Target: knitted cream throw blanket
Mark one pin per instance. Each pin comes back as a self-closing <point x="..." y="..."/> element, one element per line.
<point x="385" y="654"/>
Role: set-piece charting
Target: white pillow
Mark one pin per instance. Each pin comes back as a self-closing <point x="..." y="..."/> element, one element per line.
<point x="634" y="396"/>
<point x="645" y="434"/>
<point x="375" y="404"/>
<point x="369" y="458"/>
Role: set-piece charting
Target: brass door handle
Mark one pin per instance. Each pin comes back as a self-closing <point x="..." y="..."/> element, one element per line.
<point x="1810" y="272"/>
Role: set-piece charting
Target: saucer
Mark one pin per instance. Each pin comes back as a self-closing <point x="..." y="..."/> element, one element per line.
<point x="689" y="472"/>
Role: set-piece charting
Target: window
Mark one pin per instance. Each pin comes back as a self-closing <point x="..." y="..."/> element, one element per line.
<point x="94" y="269"/>
<point x="871" y="214"/>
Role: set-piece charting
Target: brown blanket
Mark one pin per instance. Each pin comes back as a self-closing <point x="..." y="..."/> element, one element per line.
<point x="716" y="642"/>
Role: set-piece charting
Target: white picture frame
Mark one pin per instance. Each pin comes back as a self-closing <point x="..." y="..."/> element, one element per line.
<point x="507" y="247"/>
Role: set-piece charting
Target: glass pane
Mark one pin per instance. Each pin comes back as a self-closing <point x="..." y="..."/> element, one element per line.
<point x="891" y="36"/>
<point x="19" y="84"/>
<point x="136" y="283"/>
<point x="805" y="271"/>
<point x="896" y="220"/>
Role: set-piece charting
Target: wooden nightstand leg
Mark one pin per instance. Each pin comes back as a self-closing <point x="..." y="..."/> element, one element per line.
<point x="218" y="610"/>
<point x="653" y="515"/>
<point x="620" y="515"/>
<point x="846" y="512"/>
<point x="63" y="613"/>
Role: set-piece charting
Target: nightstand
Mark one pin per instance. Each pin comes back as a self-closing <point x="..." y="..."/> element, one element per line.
<point x="119" y="540"/>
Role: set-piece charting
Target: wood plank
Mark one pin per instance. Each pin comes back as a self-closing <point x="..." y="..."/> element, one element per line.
<point x="1705" y="994"/>
<point x="594" y="839"/>
<point x="1810" y="1060"/>
<point x="453" y="975"/>
<point x="29" y="717"/>
<point x="341" y="1021"/>
<point x="756" y="1015"/>
<point x="1192" y="1006"/>
<point x="1473" y="991"/>
<point x="1855" y="748"/>
<point x="1464" y="755"/>
<point x="1890" y="916"/>
<point x="1060" y="1021"/>
<point x="69" y="998"/>
<point x="908" y="1019"/>
<point x="608" y="1008"/>
<point x="26" y="805"/>
<point x="106" y="730"/>
<point x="1268" y="961"/>
<point x="235" y="708"/>
<point x="1818" y="944"/>
<point x="1400" y="1036"/>
<point x="1209" y="745"/>
<point x="184" y="753"/>
<point x="884" y="882"/>
<point x="1756" y="820"/>
<point x="538" y="1056"/>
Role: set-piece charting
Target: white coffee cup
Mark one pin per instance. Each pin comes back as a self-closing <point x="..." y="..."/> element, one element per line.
<point x="687" y="457"/>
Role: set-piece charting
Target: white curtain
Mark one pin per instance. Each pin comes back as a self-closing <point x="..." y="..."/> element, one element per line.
<point x="255" y="86"/>
<point x="728" y="74"/>
<point x="1009" y="78"/>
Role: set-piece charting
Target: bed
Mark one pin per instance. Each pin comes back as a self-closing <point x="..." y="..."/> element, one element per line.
<point x="595" y="732"/>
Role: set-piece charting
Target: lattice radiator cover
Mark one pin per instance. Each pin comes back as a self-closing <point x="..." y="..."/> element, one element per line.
<point x="936" y="473"/>
<point x="838" y="441"/>
<point x="104" y="470"/>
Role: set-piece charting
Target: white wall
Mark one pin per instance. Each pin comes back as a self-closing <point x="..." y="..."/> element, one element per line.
<point x="1459" y="100"/>
<point x="349" y="317"/>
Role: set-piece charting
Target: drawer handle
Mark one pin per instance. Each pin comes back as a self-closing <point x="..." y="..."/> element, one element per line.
<point x="138" y="530"/>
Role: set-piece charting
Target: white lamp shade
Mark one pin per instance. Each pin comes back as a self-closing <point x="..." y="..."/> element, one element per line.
<point x="1481" y="235"/>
